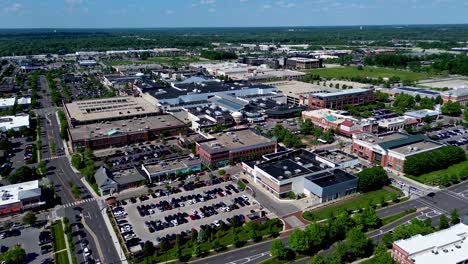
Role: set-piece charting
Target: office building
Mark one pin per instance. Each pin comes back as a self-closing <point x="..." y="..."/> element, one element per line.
<point x="108" y="109"/>
<point x="392" y="149"/>
<point x="300" y="63"/>
<point x="304" y="172"/>
<point x="159" y="171"/>
<point x="20" y="197"/>
<point x="13" y="122"/>
<point x="459" y="95"/>
<point x="236" y="145"/>
<point x="122" y="132"/>
<point x="444" y="246"/>
<point x="340" y="99"/>
<point x="110" y="182"/>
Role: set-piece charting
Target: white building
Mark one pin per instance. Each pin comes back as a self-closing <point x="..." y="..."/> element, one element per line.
<point x="445" y="246"/>
<point x="6" y="103"/>
<point x="13" y="122"/>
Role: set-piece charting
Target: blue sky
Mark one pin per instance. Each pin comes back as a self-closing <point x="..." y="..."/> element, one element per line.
<point x="231" y="13"/>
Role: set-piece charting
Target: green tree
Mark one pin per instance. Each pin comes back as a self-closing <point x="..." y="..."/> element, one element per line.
<point x="451" y="109"/>
<point x="148" y="249"/>
<point x="371" y="179"/>
<point x="357" y="242"/>
<point x="454" y="218"/>
<point x="417" y="98"/>
<point x="15" y="255"/>
<point x="317" y="234"/>
<point x="278" y="249"/>
<point x="22" y="174"/>
<point x="77" y="161"/>
<point x="29" y="218"/>
<point x="439" y="100"/>
<point x="299" y="241"/>
<point x="443" y="222"/>
<point x="370" y="218"/>
<point x="382" y="256"/>
<point x="196" y="250"/>
<point x="316" y="259"/>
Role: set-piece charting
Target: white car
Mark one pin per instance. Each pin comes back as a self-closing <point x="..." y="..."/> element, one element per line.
<point x="245" y="197"/>
<point x="86" y="251"/>
<point x="216" y="223"/>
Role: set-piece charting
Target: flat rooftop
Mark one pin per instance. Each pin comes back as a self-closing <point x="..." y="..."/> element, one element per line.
<point x="335" y="156"/>
<point x="449" y="244"/>
<point x="284" y="169"/>
<point x="126" y="126"/>
<point x="14" y="193"/>
<point x="172" y="165"/>
<point x="417" y="147"/>
<point x="329" y="178"/>
<point x="127" y="176"/>
<point x="377" y="139"/>
<point x="235" y="141"/>
<point x="109" y="108"/>
<point x="343" y="93"/>
<point x="295" y="88"/>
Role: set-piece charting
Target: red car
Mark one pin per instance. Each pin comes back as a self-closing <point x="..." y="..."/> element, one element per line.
<point x="200" y="173"/>
<point x="192" y="217"/>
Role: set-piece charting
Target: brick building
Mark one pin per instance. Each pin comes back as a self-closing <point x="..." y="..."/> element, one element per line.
<point x="244" y="144"/>
<point x="339" y="100"/>
<point x="20" y="197"/>
<point x="391" y="150"/>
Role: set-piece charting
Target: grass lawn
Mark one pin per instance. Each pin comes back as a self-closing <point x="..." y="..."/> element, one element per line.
<point x="348" y="72"/>
<point x="358" y="202"/>
<point x="59" y="236"/>
<point x="62" y="257"/>
<point x="388" y="220"/>
<point x="433" y="178"/>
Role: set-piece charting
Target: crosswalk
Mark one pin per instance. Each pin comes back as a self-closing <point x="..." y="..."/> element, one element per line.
<point x="78" y="202"/>
<point x="54" y="157"/>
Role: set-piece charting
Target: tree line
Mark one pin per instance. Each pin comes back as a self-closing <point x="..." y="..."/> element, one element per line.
<point x="444" y="157"/>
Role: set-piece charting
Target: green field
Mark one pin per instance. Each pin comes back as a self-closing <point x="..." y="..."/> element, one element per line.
<point x="59" y="243"/>
<point x="159" y="60"/>
<point x="434" y="177"/>
<point x="348" y="72"/>
<point x="355" y="203"/>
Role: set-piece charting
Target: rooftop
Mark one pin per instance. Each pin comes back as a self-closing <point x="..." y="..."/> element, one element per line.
<point x="11" y="122"/>
<point x="449" y="245"/>
<point x="342" y="93"/>
<point x="417" y="147"/>
<point x="331" y="177"/>
<point x="377" y="139"/>
<point x="235" y="141"/>
<point x="7" y="102"/>
<point x="132" y="125"/>
<point x="334" y="156"/>
<point x="284" y="169"/>
<point x="108" y="108"/>
<point x="422" y="113"/>
<point x="295" y="88"/>
<point x="123" y="177"/>
<point x="173" y="165"/>
<point x="15" y="192"/>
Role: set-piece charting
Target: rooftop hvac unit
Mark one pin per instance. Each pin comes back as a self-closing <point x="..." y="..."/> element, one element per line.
<point x="285" y="167"/>
<point x="287" y="173"/>
<point x="297" y="171"/>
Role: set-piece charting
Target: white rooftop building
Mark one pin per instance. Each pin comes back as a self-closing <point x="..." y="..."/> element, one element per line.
<point x="21" y="196"/>
<point x="13" y="122"/>
<point x="7" y="102"/>
<point x="446" y="246"/>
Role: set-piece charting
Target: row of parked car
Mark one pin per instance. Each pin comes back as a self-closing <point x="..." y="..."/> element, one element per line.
<point x="450" y="133"/>
<point x="170" y="238"/>
<point x="126" y="229"/>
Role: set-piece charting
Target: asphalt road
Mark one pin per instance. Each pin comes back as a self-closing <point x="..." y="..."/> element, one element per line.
<point x="61" y="174"/>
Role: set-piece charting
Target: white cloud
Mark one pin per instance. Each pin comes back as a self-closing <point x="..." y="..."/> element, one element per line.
<point x="13" y="8"/>
<point x="169" y="12"/>
<point x="211" y="10"/>
<point x="266" y="6"/>
<point x="207" y="2"/>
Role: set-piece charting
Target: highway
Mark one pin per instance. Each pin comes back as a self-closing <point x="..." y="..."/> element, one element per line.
<point x="61" y="174"/>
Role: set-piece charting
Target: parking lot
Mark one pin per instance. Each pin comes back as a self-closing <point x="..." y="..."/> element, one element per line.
<point x="21" y="152"/>
<point x="28" y="238"/>
<point x="148" y="153"/>
<point x="455" y="136"/>
<point x="157" y="218"/>
<point x="86" y="90"/>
